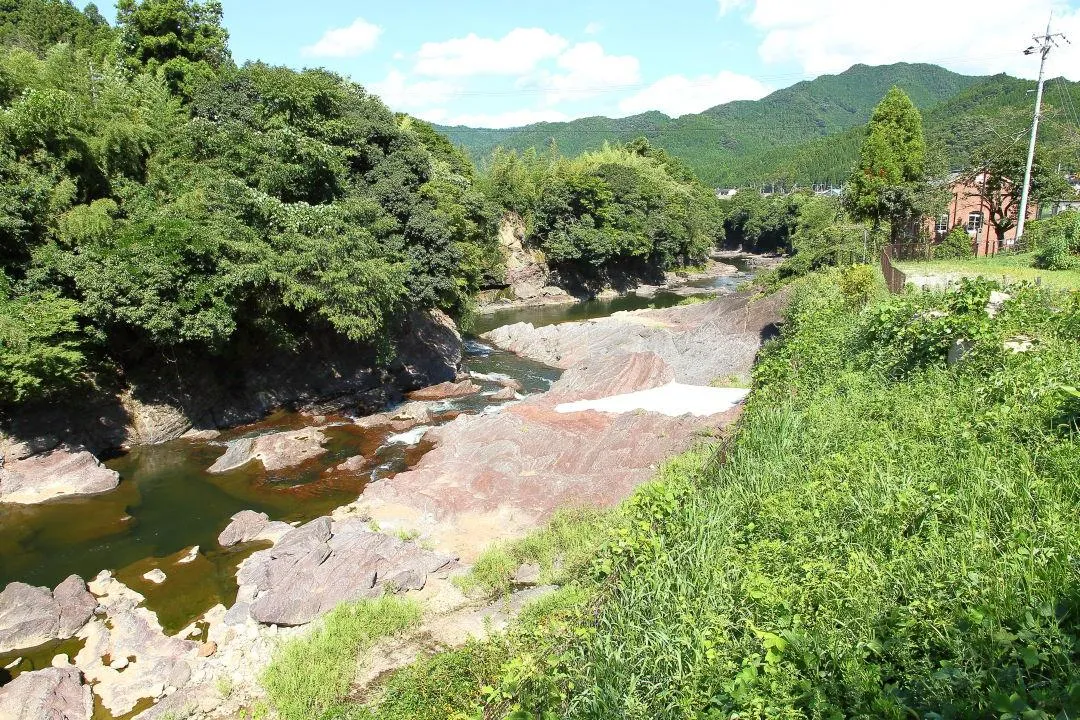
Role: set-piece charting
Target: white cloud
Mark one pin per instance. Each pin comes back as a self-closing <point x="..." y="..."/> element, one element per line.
<point x="593" y="28"/>
<point x="588" y="71"/>
<point x="516" y="53"/>
<point x="727" y="6"/>
<point x="678" y="95"/>
<point x="513" y="118"/>
<point x="356" y="39"/>
<point x="399" y="94"/>
<point x="974" y="36"/>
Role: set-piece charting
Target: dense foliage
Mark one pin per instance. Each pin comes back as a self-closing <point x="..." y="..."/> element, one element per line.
<point x="619" y="207"/>
<point x="170" y="201"/>
<point x="891" y="183"/>
<point x="1056" y="241"/>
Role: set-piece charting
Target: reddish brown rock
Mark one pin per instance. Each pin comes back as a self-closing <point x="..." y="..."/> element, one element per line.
<point x="276" y="450"/>
<point x="498" y="475"/>
<point x="402" y="418"/>
<point x="446" y="391"/>
<point x="62" y="472"/>
<point x="507" y="393"/>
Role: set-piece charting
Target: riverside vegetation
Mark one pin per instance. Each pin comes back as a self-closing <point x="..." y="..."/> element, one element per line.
<point x="888" y="534"/>
<point x="158" y="200"/>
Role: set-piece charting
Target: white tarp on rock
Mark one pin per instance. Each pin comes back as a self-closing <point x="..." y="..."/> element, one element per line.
<point x="673" y="399"/>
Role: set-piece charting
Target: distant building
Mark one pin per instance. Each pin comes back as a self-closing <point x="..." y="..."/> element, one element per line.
<point x="967" y="209"/>
<point x="726" y="193"/>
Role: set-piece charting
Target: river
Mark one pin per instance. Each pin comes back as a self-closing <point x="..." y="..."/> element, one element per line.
<point x="167" y="502"/>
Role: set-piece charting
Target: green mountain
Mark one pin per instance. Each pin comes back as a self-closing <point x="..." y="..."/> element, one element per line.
<point x="720" y="142"/>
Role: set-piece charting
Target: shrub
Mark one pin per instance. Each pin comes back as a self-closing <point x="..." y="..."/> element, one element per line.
<point x="1054" y="253"/>
<point x="956" y="245"/>
<point x="858" y="284"/>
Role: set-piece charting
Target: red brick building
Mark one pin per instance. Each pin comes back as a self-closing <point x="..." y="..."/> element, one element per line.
<point x="968" y="210"/>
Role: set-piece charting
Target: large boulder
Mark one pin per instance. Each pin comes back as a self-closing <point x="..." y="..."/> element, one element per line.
<point x="28" y="617"/>
<point x="429" y="352"/>
<point x="76" y="605"/>
<point x="62" y="472"/>
<point x="248" y="526"/>
<point x="322" y="564"/>
<point x="245" y="527"/>
<point x="276" y="450"/>
<point x="50" y="694"/>
<point x="32" y="616"/>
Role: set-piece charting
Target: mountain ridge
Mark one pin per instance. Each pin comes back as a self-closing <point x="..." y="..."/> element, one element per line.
<point x="717" y="138"/>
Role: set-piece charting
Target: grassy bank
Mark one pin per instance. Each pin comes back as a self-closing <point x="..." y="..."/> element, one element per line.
<point x="1007" y="268"/>
<point x="888" y="535"/>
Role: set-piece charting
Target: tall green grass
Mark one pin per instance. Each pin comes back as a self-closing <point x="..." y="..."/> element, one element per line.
<point x="889" y="536"/>
<point x="310" y="677"/>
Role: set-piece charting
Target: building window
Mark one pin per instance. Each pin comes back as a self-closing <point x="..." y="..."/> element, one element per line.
<point x="975" y="222"/>
<point x="942" y="224"/>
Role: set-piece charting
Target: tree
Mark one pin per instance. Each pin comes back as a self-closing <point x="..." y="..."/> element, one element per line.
<point x="181" y="40"/>
<point x="995" y="175"/>
<point x="890" y="183"/>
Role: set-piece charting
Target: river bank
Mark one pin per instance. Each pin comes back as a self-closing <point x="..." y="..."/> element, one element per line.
<point x="485" y="475"/>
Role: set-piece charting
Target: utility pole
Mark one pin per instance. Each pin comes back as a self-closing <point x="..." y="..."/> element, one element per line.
<point x="1043" y="44"/>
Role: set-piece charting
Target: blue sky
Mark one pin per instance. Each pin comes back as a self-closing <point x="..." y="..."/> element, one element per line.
<point x="499" y="64"/>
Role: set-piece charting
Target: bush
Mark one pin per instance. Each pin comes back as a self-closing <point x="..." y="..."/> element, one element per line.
<point x="956" y="245"/>
<point x="1054" y="253"/>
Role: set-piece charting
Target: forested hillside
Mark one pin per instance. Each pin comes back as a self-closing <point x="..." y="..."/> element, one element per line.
<point x="721" y="143"/>
<point x="810" y="133"/>
<point x="157" y="199"/>
<point x="995" y="107"/>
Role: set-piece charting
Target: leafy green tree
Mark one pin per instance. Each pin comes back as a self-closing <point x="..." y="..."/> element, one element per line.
<point x="40" y="345"/>
<point x="37" y="25"/>
<point x="890" y="184"/>
<point x="181" y="40"/>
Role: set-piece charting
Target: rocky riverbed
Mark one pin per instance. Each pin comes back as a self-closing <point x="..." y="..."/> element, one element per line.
<point x="492" y="469"/>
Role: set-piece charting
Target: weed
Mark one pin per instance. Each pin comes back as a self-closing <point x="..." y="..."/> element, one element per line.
<point x="310" y="676"/>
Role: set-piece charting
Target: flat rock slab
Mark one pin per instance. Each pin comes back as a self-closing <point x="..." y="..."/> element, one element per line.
<point x="700" y="342"/>
<point x="63" y="472"/>
<point x="401" y="418"/>
<point x="155" y="660"/>
<point x="276" y="450"/>
<point x="493" y="477"/>
<point x="321" y="564"/>
<point x="32" y="616"/>
<point x="50" y="694"/>
<point x="446" y="391"/>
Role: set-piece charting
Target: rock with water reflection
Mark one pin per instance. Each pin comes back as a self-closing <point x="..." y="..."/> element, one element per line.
<point x="50" y="694"/>
<point x="275" y="451"/>
<point x="324" y="563"/>
<point x="61" y="472"/>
